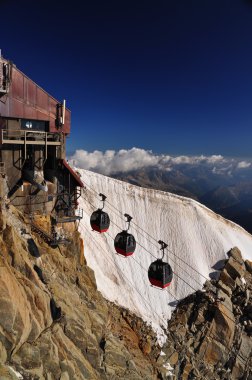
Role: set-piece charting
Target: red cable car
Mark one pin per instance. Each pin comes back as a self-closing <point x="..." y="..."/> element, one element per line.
<point x="160" y="273"/>
<point x="99" y="220"/>
<point x="125" y="243"/>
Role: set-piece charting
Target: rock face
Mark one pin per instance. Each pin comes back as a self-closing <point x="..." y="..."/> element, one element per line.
<point x="62" y="328"/>
<point x="210" y="333"/>
<point x="55" y="325"/>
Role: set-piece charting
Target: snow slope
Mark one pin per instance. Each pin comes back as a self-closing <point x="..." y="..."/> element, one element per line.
<point x="197" y="238"/>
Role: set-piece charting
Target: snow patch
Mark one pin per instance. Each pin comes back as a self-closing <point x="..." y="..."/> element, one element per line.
<point x="197" y="239"/>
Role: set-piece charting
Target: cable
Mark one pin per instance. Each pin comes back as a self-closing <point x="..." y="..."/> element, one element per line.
<point x="146" y="302"/>
<point x="152" y="254"/>
<point x="144" y="269"/>
<point x="195" y="290"/>
<point x="112" y="222"/>
<point x="168" y="290"/>
<point x="147" y="270"/>
<point x="151" y="237"/>
<point x="243" y="359"/>
<point x="153" y="244"/>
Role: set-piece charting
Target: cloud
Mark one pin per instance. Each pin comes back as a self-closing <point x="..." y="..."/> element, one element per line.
<point x="192" y="160"/>
<point x="111" y="162"/>
<point x="243" y="165"/>
<point x="222" y="170"/>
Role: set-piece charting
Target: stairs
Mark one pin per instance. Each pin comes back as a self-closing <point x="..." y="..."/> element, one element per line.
<point x="53" y="240"/>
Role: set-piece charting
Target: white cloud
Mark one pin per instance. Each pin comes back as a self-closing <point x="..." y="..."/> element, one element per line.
<point x="111" y="161"/>
<point x="215" y="159"/>
<point x="197" y="159"/>
<point x="243" y="165"/>
<point x="223" y="170"/>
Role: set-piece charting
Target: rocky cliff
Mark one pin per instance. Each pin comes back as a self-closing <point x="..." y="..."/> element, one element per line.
<point x="54" y="324"/>
<point x="210" y="333"/>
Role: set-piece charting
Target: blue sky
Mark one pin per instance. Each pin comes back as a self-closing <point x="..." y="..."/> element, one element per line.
<point x="170" y="76"/>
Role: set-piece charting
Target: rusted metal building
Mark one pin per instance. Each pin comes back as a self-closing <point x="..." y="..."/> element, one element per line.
<point x="33" y="131"/>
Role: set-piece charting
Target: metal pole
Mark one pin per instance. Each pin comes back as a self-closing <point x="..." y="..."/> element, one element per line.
<point x="25" y="144"/>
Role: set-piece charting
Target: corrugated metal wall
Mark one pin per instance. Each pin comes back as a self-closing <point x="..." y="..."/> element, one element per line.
<point x="26" y="100"/>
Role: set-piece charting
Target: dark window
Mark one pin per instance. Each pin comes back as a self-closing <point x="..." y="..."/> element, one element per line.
<point x="34" y="125"/>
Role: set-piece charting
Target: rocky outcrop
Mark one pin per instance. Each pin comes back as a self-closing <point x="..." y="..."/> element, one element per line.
<point x="54" y="324"/>
<point x="210" y="333"/>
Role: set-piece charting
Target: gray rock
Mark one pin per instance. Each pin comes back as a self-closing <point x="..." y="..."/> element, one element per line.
<point x="227" y="279"/>
<point x="248" y="265"/>
<point x="235" y="253"/>
<point x="234" y="268"/>
<point x="226" y="289"/>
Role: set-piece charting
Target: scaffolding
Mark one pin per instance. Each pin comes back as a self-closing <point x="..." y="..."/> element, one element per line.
<point x="77" y="216"/>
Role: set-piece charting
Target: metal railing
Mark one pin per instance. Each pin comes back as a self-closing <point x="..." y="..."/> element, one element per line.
<point x="9" y="135"/>
<point x="70" y="216"/>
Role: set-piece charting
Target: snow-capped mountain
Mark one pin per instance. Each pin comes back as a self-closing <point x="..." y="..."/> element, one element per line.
<point x="197" y="240"/>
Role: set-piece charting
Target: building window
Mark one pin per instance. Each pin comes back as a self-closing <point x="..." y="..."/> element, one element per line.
<point x="28" y="124"/>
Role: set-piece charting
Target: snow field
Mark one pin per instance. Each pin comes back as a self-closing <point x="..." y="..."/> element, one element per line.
<point x="197" y="239"/>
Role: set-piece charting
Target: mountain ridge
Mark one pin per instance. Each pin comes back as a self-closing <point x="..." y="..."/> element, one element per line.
<point x="202" y="184"/>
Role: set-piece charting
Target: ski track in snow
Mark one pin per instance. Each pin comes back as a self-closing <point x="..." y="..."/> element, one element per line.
<point x="193" y="233"/>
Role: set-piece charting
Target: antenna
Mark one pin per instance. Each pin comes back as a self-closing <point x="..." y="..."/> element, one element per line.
<point x="63" y="111"/>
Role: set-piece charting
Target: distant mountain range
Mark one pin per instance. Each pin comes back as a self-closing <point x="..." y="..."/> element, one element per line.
<point x="227" y="193"/>
<point x="223" y="184"/>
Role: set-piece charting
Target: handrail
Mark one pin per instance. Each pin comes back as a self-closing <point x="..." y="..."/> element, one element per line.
<point x="20" y="136"/>
<point x="70" y="217"/>
<point x="23" y="132"/>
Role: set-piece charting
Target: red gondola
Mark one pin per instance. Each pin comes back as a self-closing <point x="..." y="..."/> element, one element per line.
<point x="99" y="219"/>
<point x="160" y="273"/>
<point x="125" y="243"/>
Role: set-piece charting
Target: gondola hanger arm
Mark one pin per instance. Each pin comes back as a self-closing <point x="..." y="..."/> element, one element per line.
<point x="163" y="246"/>
<point x="103" y="198"/>
<point x="129" y="218"/>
